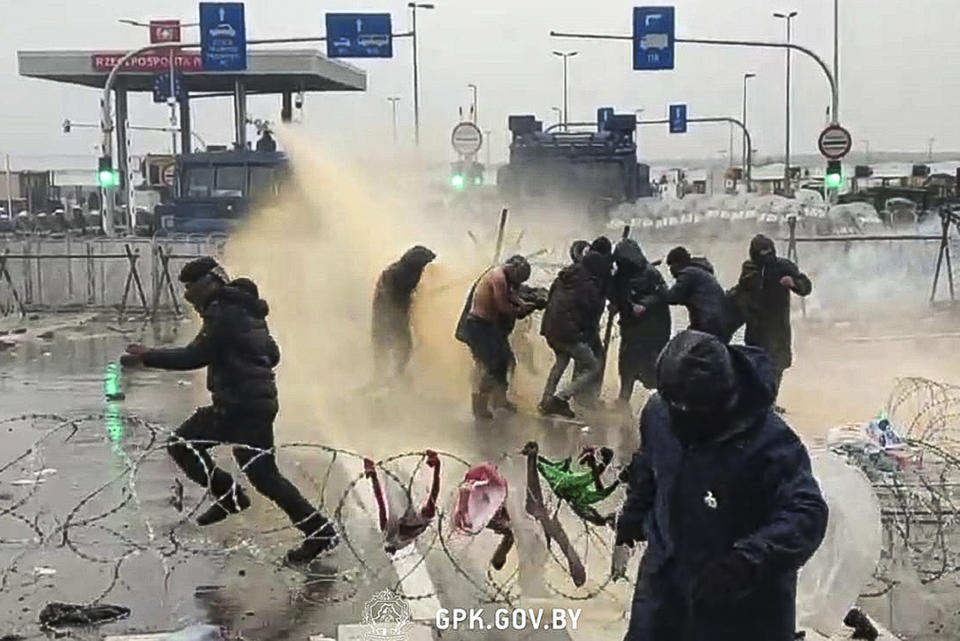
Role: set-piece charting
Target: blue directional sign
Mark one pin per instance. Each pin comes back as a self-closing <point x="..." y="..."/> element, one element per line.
<point x="359" y="35"/>
<point x="678" y="119"/>
<point x="223" y="36"/>
<point x="653" y="38"/>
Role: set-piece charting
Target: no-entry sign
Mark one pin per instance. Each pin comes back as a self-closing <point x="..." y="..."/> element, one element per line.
<point x="835" y="142"/>
<point x="466" y="139"/>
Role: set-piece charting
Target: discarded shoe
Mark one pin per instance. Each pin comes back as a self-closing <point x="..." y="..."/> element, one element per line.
<point x="323" y="540"/>
<point x="556" y="406"/>
<point x="221" y="510"/>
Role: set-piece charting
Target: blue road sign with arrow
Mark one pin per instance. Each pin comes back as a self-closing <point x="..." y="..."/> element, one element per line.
<point x="223" y="36"/>
<point x="653" y="38"/>
<point x="359" y="35"/>
<point x="678" y="119"/>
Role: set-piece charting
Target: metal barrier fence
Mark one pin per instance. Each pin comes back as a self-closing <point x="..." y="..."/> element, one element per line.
<point x="73" y="273"/>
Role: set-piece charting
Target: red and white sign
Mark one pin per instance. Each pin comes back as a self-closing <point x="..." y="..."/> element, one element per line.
<point x="169" y="175"/>
<point x="163" y="31"/>
<point x="835" y="142"/>
<point x="150" y="62"/>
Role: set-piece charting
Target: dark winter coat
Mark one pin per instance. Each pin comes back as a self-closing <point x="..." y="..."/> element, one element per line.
<point x="697" y="289"/>
<point x="235" y="346"/>
<point x="637" y="282"/>
<point x="393" y="295"/>
<point x="575" y="303"/>
<point x="765" y="303"/>
<point x="748" y="490"/>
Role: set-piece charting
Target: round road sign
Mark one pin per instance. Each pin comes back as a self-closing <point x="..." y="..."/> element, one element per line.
<point x="835" y="142"/>
<point x="466" y="139"/>
<point x="169" y="175"/>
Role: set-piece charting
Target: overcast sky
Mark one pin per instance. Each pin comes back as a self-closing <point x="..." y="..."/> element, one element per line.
<point x="898" y="81"/>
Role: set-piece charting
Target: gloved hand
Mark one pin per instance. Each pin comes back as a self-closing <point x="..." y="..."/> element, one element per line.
<point x="724" y="581"/>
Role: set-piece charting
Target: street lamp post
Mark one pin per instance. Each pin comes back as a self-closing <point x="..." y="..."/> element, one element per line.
<point x="836" y="47"/>
<point x="473" y="111"/>
<point x="416" y="68"/>
<point x="393" y="100"/>
<point x="566" y="106"/>
<point x="930" y="142"/>
<point x="559" y="113"/>
<point x="788" y="17"/>
<point x="746" y="77"/>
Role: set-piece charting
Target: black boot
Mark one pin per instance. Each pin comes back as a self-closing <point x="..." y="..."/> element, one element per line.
<point x="323" y="540"/>
<point x="224" y="508"/>
<point x="500" y="401"/>
<point x="556" y="406"/>
<point x="480" y="403"/>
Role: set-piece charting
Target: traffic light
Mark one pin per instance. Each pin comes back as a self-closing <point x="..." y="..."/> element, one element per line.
<point x="834" y="176"/>
<point x="457" y="181"/>
<point x="107" y="176"/>
<point x="458" y="178"/>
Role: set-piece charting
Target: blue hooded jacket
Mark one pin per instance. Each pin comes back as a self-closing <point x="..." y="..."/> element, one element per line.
<point x="747" y="489"/>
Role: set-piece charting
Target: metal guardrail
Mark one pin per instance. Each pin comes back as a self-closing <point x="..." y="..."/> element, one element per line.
<point x="44" y="274"/>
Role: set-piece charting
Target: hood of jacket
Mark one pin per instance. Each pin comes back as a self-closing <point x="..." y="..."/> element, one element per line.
<point x="244" y="292"/>
<point x="762" y="247"/>
<point x="629" y="253"/>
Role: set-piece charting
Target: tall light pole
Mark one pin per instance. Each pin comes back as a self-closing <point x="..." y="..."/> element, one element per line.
<point x="416" y="68"/>
<point x="566" y="106"/>
<point x="488" y="139"/>
<point x="930" y="142"/>
<point x="836" y="50"/>
<point x="788" y="17"/>
<point x="393" y="102"/>
<point x="746" y="77"/>
<point x="559" y="113"/>
<point x="473" y="87"/>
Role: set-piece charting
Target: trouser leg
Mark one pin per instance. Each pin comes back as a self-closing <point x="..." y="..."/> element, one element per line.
<point x="562" y="360"/>
<point x="257" y="459"/>
<point x="189" y="446"/>
<point x="589" y="366"/>
<point x="627" y="383"/>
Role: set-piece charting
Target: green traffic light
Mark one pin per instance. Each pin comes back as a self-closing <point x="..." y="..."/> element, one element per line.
<point x="834" y="181"/>
<point x="457" y="181"/>
<point x="108" y="178"/>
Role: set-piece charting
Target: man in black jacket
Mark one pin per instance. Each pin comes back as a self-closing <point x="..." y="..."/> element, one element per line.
<point x="697" y="289"/>
<point x="235" y="346"/>
<point x="574" y="307"/>
<point x="638" y="298"/>
<point x="722" y="492"/>
<point x="392" y="298"/>
<point x="766" y="281"/>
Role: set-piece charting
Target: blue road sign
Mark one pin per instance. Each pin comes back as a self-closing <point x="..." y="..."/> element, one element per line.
<point x="678" y="119"/>
<point x="653" y="38"/>
<point x="223" y="36"/>
<point x="161" y="87"/>
<point x="359" y="35"/>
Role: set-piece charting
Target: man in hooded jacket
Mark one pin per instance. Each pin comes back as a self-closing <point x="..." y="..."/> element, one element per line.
<point x="697" y="289"/>
<point x="392" y="298"/>
<point x="574" y="307"/>
<point x="639" y="300"/>
<point x="722" y="492"/>
<point x="766" y="281"/>
<point x="235" y="346"/>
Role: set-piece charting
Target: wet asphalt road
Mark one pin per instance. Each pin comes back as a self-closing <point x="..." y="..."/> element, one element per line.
<point x="86" y="514"/>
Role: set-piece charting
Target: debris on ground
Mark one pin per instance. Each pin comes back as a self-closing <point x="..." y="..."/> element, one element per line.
<point x="4" y="345"/>
<point x="176" y="498"/>
<point x="863" y="628"/>
<point x="47" y="335"/>
<point x="43" y="571"/>
<point x="56" y="615"/>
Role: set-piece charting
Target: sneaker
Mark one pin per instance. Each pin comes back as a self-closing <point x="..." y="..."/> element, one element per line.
<point x="219" y="511"/>
<point x="323" y="540"/>
<point x="556" y="406"/>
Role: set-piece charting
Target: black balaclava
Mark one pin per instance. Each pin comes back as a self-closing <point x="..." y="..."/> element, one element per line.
<point x="762" y="250"/>
<point x="697" y="380"/>
<point x="629" y="256"/>
<point x="597" y="264"/>
<point x="601" y="245"/>
<point x="410" y="267"/>
<point x="203" y="278"/>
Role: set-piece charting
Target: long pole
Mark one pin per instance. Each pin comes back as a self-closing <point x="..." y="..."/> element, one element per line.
<point x="566" y="112"/>
<point x="416" y="80"/>
<point x="743" y="156"/>
<point x="474" y="110"/>
<point x="393" y="103"/>
<point x="786" y="162"/>
<point x="6" y="162"/>
<point x="728" y="43"/>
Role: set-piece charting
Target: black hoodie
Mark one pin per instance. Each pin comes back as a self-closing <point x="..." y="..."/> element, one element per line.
<point x="575" y="302"/>
<point x="394" y="292"/>
<point x="697" y="289"/>
<point x="637" y="282"/>
<point x="235" y="346"/>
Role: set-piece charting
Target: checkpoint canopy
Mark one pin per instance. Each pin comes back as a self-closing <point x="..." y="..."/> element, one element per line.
<point x="269" y="71"/>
